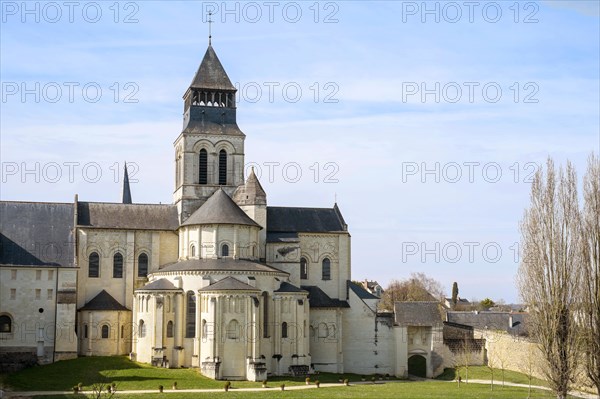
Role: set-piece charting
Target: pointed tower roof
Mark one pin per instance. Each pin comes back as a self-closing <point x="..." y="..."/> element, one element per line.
<point x="211" y="74"/>
<point x="251" y="192"/>
<point x="219" y="209"/>
<point x="103" y="301"/>
<point x="126" y="189"/>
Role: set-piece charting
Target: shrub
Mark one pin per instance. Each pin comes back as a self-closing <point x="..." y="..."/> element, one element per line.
<point x="227" y="386"/>
<point x="160" y="388"/>
<point x="317" y="383"/>
<point x="282" y="386"/>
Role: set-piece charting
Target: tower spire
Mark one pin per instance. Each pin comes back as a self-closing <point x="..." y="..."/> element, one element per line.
<point x="126" y="189"/>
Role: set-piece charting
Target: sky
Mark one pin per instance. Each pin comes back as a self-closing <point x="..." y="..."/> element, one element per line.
<point x="424" y="120"/>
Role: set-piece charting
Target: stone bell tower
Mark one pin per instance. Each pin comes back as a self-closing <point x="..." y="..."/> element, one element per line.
<point x="209" y="152"/>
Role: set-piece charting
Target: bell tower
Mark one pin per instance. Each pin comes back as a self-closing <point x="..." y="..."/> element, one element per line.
<point x="209" y="152"/>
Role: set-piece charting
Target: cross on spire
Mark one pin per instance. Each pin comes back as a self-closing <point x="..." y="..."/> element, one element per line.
<point x="210" y="21"/>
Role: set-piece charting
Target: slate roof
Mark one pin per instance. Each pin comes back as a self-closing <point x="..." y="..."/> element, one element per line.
<point x="282" y="237"/>
<point x="161" y="284"/>
<point x="36" y="234"/>
<point x="211" y="74"/>
<point x="489" y="320"/>
<point x="305" y="220"/>
<point x="127" y="216"/>
<point x="221" y="264"/>
<point x="219" y="209"/>
<point x="229" y="284"/>
<point x="360" y="291"/>
<point x="194" y="126"/>
<point x="103" y="301"/>
<point x="287" y="287"/>
<point x="317" y="298"/>
<point x="418" y="314"/>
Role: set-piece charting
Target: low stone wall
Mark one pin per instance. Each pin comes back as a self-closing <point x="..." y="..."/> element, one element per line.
<point x="15" y="361"/>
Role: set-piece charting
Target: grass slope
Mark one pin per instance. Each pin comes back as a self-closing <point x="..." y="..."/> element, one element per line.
<point x="484" y="373"/>
<point x="401" y="390"/>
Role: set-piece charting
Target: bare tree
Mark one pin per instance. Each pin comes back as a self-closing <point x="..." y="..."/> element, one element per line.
<point x="549" y="271"/>
<point x="418" y="287"/>
<point x="491" y="364"/>
<point x="590" y="287"/>
<point x="529" y="365"/>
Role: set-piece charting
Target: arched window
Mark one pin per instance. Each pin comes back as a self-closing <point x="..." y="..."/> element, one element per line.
<point x="303" y="269"/>
<point x="323" y="330"/>
<point x="118" y="265"/>
<point x="284" y="330"/>
<point x="142" y="265"/>
<point x="203" y="167"/>
<point x="222" y="167"/>
<point x="5" y="324"/>
<point x="326" y="269"/>
<point x="85" y="331"/>
<point x="233" y="330"/>
<point x="225" y="250"/>
<point x="142" y="329"/>
<point x="170" y="329"/>
<point x="192" y="250"/>
<point x="122" y="331"/>
<point x="265" y="297"/>
<point x="190" y="319"/>
<point x="94" y="265"/>
<point x="105" y="331"/>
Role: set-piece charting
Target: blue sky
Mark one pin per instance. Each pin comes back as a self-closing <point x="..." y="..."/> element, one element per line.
<point x="372" y="95"/>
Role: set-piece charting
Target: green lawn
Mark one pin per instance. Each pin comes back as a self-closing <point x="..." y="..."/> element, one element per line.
<point x="400" y="390"/>
<point x="484" y="373"/>
<point x="130" y="375"/>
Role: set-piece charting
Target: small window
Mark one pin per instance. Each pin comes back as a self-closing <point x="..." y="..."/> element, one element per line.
<point x="38" y="293"/>
<point x="118" y="265"/>
<point x="5" y="324"/>
<point x="50" y="275"/>
<point x="142" y="265"/>
<point x="142" y="329"/>
<point x="225" y="250"/>
<point x="204" y="329"/>
<point x="38" y="274"/>
<point x="105" y="331"/>
<point x="85" y="331"/>
<point x="303" y="269"/>
<point x="193" y="251"/>
<point x="13" y="274"/>
<point x="326" y="269"/>
<point x="222" y="167"/>
<point x="94" y="265"/>
<point x="284" y="330"/>
<point x="122" y="331"/>
<point x="50" y="294"/>
<point x="203" y="163"/>
<point x="13" y="293"/>
<point x="170" y="329"/>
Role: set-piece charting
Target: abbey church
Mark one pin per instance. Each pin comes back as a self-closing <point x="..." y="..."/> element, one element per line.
<point x="219" y="280"/>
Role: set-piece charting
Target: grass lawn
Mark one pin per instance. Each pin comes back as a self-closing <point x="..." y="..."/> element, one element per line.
<point x="484" y="373"/>
<point x="400" y="390"/>
<point x="130" y="375"/>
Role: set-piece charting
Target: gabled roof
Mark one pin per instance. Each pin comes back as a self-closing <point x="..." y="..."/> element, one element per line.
<point x="418" y="314"/>
<point x="229" y="284"/>
<point x="221" y="264"/>
<point x="211" y="74"/>
<point x="317" y="298"/>
<point x="127" y="216"/>
<point x="305" y="220"/>
<point x="37" y="234"/>
<point x="360" y="291"/>
<point x="251" y="192"/>
<point x="287" y="287"/>
<point x="219" y="209"/>
<point x="103" y="301"/>
<point x="489" y="320"/>
<point x="161" y="284"/>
